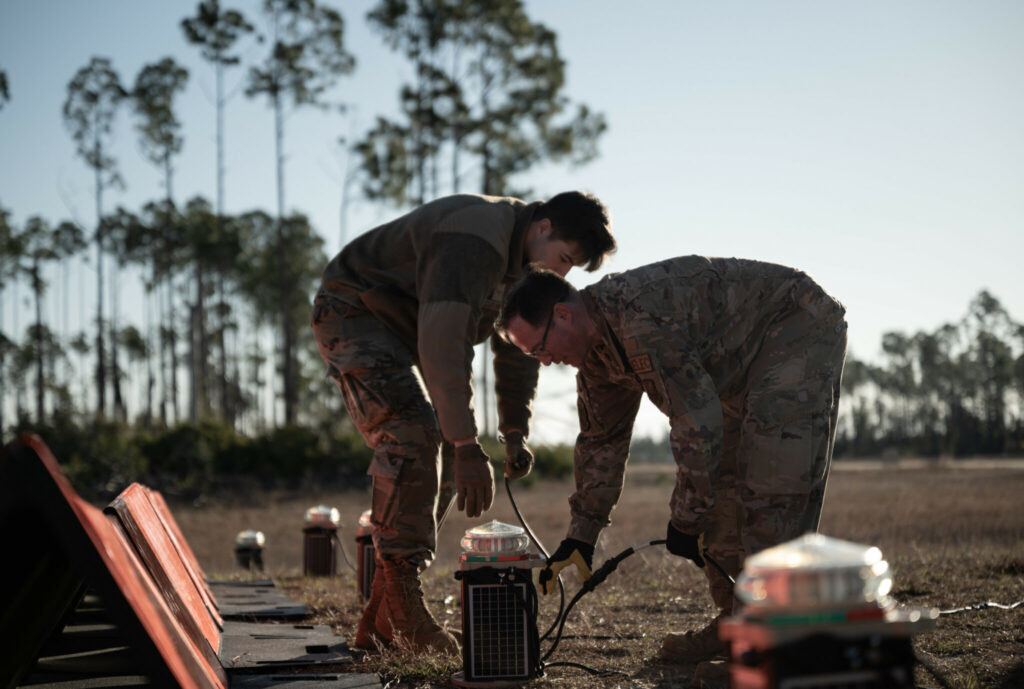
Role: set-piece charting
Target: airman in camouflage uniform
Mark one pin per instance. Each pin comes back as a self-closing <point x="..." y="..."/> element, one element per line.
<point x="744" y="357"/>
<point x="395" y="320"/>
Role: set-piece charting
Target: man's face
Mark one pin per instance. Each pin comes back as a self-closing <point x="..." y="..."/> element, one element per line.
<point x="558" y="340"/>
<point x="554" y="254"/>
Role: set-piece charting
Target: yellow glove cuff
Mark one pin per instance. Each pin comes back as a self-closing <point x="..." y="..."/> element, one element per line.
<point x="582" y="571"/>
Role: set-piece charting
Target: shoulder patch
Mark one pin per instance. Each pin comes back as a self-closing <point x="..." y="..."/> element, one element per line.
<point x="640" y="363"/>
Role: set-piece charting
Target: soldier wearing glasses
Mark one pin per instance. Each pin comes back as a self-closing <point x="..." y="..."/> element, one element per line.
<point x="745" y="359"/>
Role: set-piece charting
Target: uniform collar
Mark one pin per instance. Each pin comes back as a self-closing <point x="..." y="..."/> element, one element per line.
<point x="517" y="245"/>
<point x="607" y="353"/>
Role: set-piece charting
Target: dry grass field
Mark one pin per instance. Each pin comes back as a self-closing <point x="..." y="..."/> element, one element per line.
<point x="954" y="537"/>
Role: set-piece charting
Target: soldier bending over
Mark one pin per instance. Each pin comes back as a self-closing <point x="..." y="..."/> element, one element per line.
<point x="744" y="357"/>
<point x="419" y="292"/>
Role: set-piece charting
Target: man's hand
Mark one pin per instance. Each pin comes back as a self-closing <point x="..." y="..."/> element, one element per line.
<point x="474" y="479"/>
<point x="685" y="545"/>
<point x="570" y="552"/>
<point x="518" y="458"/>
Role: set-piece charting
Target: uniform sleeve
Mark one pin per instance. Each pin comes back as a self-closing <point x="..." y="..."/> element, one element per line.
<point x="455" y="274"/>
<point x="515" y="385"/>
<point x="679" y="385"/>
<point x="607" y="413"/>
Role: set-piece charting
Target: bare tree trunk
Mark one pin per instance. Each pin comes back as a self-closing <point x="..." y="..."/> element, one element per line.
<point x="150" y="377"/>
<point x="161" y="348"/>
<point x="204" y="369"/>
<point x="191" y="360"/>
<point x="287" y="349"/>
<point x="220" y="342"/>
<point x="101" y="354"/>
<point x="40" y="376"/>
<point x="3" y="386"/>
<point x="115" y="302"/>
<point x="172" y="344"/>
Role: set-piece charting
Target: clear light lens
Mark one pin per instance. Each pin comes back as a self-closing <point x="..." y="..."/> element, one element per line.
<point x="815" y="571"/>
<point x="250" y="539"/>
<point x="364" y="518"/>
<point x="495" y="538"/>
<point x="322" y="515"/>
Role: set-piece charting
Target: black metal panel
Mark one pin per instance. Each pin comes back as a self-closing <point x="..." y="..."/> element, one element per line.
<point x="277" y="646"/>
<point x="318" y="558"/>
<point x="367" y="565"/>
<point x="498" y="632"/>
<point x="241" y="601"/>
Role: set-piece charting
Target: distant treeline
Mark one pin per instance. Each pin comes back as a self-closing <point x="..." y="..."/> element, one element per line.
<point x="101" y="457"/>
<point x="956" y="391"/>
<point x="218" y="327"/>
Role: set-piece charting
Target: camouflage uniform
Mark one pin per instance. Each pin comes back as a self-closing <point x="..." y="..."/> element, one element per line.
<point x="745" y="358"/>
<point x="395" y="320"/>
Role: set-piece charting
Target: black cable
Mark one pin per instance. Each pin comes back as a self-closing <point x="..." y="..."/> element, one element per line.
<point x="982" y="606"/>
<point x="596" y="578"/>
<point x="536" y="542"/>
<point x="519" y="516"/>
<point x="593" y="671"/>
<point x="933" y="671"/>
<point x="344" y="555"/>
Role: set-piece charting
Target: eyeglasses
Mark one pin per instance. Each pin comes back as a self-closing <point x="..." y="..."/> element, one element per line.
<point x="539" y="349"/>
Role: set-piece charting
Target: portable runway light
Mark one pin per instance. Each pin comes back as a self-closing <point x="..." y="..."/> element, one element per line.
<point x="249" y="550"/>
<point x="500" y="645"/>
<point x="816" y="613"/>
<point x="366" y="562"/>
<point x="320" y="528"/>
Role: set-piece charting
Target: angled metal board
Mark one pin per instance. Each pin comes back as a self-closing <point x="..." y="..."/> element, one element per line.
<point x="361" y="680"/>
<point x="160" y="505"/>
<point x="34" y="492"/>
<point x="276" y="646"/>
<point x="135" y="514"/>
<point x="184" y="551"/>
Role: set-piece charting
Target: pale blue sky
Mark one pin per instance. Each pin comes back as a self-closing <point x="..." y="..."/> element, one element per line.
<point x="877" y="145"/>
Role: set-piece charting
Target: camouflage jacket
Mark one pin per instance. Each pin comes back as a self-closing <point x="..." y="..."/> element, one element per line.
<point x="436" y="277"/>
<point x="684" y="331"/>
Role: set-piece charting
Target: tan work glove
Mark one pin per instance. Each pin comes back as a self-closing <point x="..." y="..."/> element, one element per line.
<point x="570" y="552"/>
<point x="474" y="479"/>
<point x="518" y="458"/>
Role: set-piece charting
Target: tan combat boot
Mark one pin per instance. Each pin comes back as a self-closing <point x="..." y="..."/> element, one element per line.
<point x="693" y="646"/>
<point x="368" y="637"/>
<point x="403" y="617"/>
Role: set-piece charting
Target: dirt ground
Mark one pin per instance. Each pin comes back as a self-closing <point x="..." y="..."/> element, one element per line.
<point x="954" y="537"/>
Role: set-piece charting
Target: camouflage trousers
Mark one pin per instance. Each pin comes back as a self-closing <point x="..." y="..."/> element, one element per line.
<point x="778" y="436"/>
<point x="411" y="469"/>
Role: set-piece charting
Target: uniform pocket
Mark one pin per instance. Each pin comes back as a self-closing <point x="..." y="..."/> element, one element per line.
<point x="780" y="463"/>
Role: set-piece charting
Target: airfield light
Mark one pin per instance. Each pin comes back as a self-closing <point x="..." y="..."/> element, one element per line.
<point x="249" y="549"/>
<point x="367" y="563"/>
<point x="816" y="612"/>
<point x="320" y="527"/>
<point x="500" y="641"/>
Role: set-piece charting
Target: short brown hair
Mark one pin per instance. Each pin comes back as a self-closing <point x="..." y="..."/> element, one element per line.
<point x="580" y="217"/>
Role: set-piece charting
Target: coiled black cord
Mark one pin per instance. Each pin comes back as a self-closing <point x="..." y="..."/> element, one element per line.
<point x="540" y="547"/>
<point x="596" y="578"/>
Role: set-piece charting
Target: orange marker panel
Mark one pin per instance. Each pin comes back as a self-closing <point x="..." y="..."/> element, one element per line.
<point x="146" y="532"/>
<point x="184" y="550"/>
<point x="91" y="542"/>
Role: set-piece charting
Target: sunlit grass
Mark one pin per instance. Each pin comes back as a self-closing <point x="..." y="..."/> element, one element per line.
<point x="953" y="538"/>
